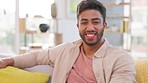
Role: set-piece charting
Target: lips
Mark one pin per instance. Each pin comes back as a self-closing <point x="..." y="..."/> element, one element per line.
<point x="90" y="35"/>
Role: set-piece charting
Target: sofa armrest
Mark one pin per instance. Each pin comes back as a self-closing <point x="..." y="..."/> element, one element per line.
<point x="141" y="70"/>
<point x="47" y="69"/>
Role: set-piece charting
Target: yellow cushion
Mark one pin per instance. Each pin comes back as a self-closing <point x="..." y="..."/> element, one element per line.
<point x="15" y="75"/>
<point x="142" y="70"/>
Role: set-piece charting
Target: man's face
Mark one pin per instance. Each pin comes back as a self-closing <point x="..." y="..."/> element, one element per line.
<point x="91" y="26"/>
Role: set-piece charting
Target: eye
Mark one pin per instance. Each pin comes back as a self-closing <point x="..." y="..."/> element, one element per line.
<point x="96" y="22"/>
<point x="83" y="22"/>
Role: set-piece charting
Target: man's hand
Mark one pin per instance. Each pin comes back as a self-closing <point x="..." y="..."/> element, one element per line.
<point x="4" y="62"/>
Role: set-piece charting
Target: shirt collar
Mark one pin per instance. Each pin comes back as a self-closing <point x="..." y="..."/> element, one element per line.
<point x="102" y="50"/>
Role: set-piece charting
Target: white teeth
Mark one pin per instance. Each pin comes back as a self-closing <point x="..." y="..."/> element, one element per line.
<point x="90" y="34"/>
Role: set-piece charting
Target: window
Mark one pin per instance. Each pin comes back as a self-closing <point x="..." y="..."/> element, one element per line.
<point x="139" y="28"/>
<point x="8" y="11"/>
<point x="35" y="7"/>
<point x="7" y="26"/>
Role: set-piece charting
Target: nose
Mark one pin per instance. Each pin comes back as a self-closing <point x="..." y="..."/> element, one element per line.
<point x="90" y="27"/>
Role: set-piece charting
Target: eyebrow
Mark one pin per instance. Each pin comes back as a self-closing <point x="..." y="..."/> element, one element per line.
<point x="83" y="19"/>
<point x="96" y="19"/>
<point x="91" y="19"/>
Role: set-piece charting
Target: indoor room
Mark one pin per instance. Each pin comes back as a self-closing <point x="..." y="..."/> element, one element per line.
<point x="33" y="25"/>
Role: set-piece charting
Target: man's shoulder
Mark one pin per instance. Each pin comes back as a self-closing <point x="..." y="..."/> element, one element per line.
<point x="115" y="49"/>
<point x="117" y="55"/>
<point x="117" y="52"/>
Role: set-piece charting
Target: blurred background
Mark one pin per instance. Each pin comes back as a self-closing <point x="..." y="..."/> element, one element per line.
<point x="20" y="22"/>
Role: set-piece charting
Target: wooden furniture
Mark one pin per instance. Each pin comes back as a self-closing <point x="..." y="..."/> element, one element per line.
<point x="32" y="37"/>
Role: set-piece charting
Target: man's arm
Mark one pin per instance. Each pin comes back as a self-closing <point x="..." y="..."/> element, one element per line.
<point x="124" y="70"/>
<point x="4" y="62"/>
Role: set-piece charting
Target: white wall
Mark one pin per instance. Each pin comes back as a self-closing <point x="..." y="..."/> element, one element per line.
<point x="66" y="26"/>
<point x="69" y="29"/>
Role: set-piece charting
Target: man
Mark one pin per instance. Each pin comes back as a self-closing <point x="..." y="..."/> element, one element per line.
<point x="88" y="60"/>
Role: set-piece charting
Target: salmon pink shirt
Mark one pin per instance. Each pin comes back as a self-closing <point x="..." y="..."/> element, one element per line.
<point x="82" y="71"/>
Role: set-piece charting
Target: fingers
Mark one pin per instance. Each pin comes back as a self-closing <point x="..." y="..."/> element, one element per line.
<point x="3" y="64"/>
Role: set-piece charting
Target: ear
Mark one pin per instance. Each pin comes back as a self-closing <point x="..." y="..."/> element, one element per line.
<point x="77" y="25"/>
<point x="105" y="24"/>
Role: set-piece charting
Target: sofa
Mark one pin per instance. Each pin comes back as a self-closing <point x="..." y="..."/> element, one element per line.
<point x="45" y="69"/>
<point x="141" y="66"/>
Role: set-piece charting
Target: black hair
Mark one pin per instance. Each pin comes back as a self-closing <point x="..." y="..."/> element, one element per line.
<point x="91" y="4"/>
